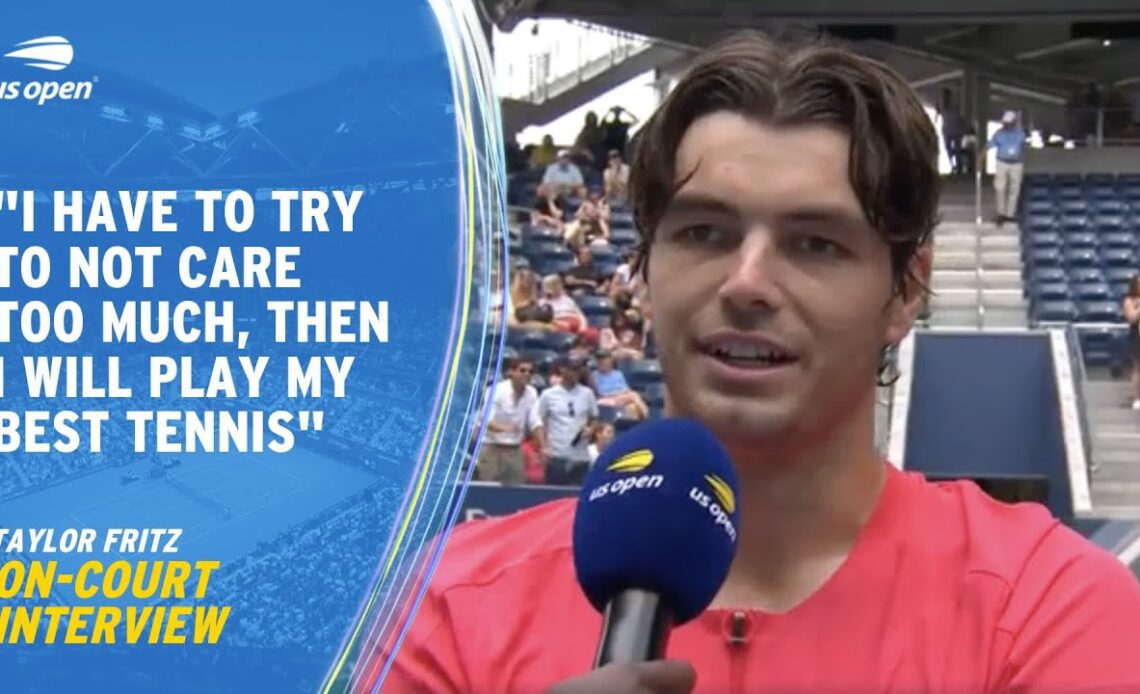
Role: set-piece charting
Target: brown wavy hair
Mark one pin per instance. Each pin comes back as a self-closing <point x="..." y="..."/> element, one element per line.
<point x="893" y="150"/>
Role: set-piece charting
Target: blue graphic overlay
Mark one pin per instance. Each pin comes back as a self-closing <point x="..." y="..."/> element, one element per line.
<point x="243" y="333"/>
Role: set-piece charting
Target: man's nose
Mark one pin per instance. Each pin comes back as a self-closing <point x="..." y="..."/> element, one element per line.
<point x="751" y="280"/>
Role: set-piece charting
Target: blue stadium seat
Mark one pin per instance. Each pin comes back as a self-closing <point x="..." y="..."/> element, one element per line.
<point x="543" y="359"/>
<point x="1109" y="207"/>
<point x="595" y="305"/>
<point x="607" y="413"/>
<point x="536" y="250"/>
<point x="1041" y="205"/>
<point x="1101" y="346"/>
<point x="1116" y="275"/>
<point x="1056" y="311"/>
<point x="1041" y="221"/>
<point x="1081" y="257"/>
<point x="598" y="321"/>
<point x="654" y="394"/>
<point x="1130" y="191"/>
<point x="1045" y="257"/>
<point x="1080" y="240"/>
<point x="1039" y="192"/>
<point x="1045" y="239"/>
<point x="643" y="372"/>
<point x="1092" y="291"/>
<point x="624" y="424"/>
<point x="1073" y="222"/>
<point x="1041" y="275"/>
<point x="607" y="268"/>
<point x="1084" y="275"/>
<point x="621" y="218"/>
<point x="527" y="339"/>
<point x="604" y="253"/>
<point x="1099" y="311"/>
<point x="1074" y="206"/>
<point x="553" y="266"/>
<point x="1105" y="222"/>
<point x="531" y="232"/>
<point x="1051" y="291"/>
<point x="1070" y="192"/>
<point x="1102" y="191"/>
<point x="1117" y="239"/>
<point x="558" y="341"/>
<point x="1118" y="257"/>
<point x="623" y="238"/>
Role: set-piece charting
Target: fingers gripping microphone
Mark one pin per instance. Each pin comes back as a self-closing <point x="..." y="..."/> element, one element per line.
<point x="654" y="534"/>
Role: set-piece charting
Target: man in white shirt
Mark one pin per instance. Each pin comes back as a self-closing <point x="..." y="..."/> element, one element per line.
<point x="567" y="413"/>
<point x="565" y="176"/>
<point x="513" y="402"/>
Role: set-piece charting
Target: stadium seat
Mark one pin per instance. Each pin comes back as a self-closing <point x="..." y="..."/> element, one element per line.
<point x="1074" y="206"/>
<point x="623" y="238"/>
<point x="592" y="304"/>
<point x="607" y="413"/>
<point x="607" y="268"/>
<point x="1118" y="257"/>
<point x="1045" y="239"/>
<point x="536" y="250"/>
<point x="1080" y="239"/>
<point x="1092" y="291"/>
<point x="553" y="266"/>
<point x="1074" y="222"/>
<point x="1040" y="205"/>
<point x="1102" y="191"/>
<point x="1084" y="275"/>
<point x="1048" y="274"/>
<point x="543" y="359"/>
<point x="1041" y="221"/>
<point x="643" y="372"/>
<point x="1100" y="311"/>
<point x="598" y="321"/>
<point x="654" y="394"/>
<point x="1117" y="239"/>
<point x="1051" y="291"/>
<point x="605" y="253"/>
<point x="1081" y="257"/>
<point x="1070" y="192"/>
<point x="1056" y="311"/>
<point x="529" y="339"/>
<point x="559" y="341"/>
<point x="1045" y="257"/>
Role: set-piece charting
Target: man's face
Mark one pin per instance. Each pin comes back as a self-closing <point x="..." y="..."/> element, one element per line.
<point x="520" y="375"/>
<point x="770" y="292"/>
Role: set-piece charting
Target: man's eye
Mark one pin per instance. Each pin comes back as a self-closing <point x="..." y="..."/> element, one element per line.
<point x="702" y="234"/>
<point x="818" y="245"/>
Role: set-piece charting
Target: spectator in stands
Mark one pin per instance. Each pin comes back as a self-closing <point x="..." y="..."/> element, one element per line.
<point x="565" y="176"/>
<point x="589" y="225"/>
<point x="1131" y="310"/>
<point x="567" y="413"/>
<point x="615" y="180"/>
<point x="1009" y="141"/>
<point x="584" y="276"/>
<point x="544" y="154"/>
<point x="614" y="391"/>
<point x="526" y="310"/>
<point x="547" y="210"/>
<point x="620" y="338"/>
<point x="616" y="125"/>
<point x="512" y="403"/>
<point x="592" y="139"/>
<point x="603" y="435"/>
<point x="567" y="316"/>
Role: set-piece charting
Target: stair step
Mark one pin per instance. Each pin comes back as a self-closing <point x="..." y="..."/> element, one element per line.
<point x="954" y="317"/>
<point x="955" y="298"/>
<point x="1001" y="317"/>
<point x="1004" y="298"/>
<point x="955" y="260"/>
<point x="1001" y="260"/>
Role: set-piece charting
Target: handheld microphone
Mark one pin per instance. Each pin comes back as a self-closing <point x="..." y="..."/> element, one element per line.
<point x="654" y="534"/>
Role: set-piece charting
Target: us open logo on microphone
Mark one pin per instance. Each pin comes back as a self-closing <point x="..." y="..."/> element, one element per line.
<point x="629" y="464"/>
<point x="50" y="53"/>
<point x="720" y="504"/>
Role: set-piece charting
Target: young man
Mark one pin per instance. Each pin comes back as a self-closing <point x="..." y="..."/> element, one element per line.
<point x="786" y="197"/>
<point x="513" y="404"/>
<point x="565" y="415"/>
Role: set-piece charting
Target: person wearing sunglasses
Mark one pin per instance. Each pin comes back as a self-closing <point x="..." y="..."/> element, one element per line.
<point x="512" y="402"/>
<point x="565" y="415"/>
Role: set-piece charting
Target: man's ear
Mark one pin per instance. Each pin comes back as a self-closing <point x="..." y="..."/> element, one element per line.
<point x="908" y="304"/>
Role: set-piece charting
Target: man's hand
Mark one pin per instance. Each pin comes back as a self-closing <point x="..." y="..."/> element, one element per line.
<point x="657" y="677"/>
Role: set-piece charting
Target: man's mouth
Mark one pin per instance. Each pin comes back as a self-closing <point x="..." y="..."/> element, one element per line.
<point x="748" y="353"/>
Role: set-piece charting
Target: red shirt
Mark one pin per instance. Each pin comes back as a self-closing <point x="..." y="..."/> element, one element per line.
<point x="946" y="590"/>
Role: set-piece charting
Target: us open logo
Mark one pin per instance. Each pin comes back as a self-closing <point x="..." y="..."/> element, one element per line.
<point x="50" y="53"/>
<point x="627" y="467"/>
<point x="719" y="505"/>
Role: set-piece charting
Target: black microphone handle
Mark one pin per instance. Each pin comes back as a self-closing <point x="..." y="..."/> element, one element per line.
<point x="635" y="628"/>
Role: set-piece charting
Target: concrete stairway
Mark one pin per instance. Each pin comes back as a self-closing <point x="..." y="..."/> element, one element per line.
<point x="1115" y="436"/>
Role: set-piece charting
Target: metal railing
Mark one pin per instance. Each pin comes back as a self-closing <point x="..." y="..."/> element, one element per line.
<point x="561" y="56"/>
